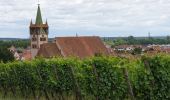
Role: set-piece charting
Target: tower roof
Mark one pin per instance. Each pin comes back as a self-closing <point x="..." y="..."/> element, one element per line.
<point x="39" y="17"/>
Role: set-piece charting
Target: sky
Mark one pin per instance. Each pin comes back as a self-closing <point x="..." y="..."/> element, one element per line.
<point x="107" y="18"/>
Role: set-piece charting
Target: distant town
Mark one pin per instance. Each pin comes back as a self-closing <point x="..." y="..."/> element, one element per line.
<point x="40" y="45"/>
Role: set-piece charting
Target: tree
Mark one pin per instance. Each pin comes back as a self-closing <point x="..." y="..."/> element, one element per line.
<point x="119" y="41"/>
<point x="6" y="55"/>
<point x="131" y="40"/>
<point x="168" y="37"/>
<point x="137" y="51"/>
<point x="16" y="43"/>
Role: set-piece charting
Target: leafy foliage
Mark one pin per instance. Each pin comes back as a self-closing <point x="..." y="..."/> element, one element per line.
<point x="6" y="55"/>
<point x="137" y="51"/>
<point x="100" y="78"/>
<point x="16" y="43"/>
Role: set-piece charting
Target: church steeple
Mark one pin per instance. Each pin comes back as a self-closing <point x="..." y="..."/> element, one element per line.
<point x="39" y="17"/>
<point x="38" y="33"/>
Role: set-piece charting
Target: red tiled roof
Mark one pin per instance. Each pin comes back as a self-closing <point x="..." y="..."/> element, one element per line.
<point x="81" y="46"/>
<point x="49" y="50"/>
<point x="167" y="50"/>
<point x="26" y="54"/>
<point x="73" y="46"/>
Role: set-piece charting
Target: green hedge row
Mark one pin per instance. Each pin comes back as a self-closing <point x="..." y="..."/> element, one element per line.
<point x="98" y="78"/>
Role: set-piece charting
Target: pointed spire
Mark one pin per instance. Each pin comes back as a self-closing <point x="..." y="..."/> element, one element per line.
<point x="39" y="17"/>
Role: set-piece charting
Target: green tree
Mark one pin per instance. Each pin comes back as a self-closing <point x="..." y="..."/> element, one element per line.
<point x="16" y="43"/>
<point x="137" y="51"/>
<point x="119" y="41"/>
<point x="6" y="55"/>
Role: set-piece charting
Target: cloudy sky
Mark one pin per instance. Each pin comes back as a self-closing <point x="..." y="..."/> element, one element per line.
<point x="87" y="17"/>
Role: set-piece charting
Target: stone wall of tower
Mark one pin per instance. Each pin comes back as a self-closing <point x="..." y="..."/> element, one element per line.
<point x="37" y="38"/>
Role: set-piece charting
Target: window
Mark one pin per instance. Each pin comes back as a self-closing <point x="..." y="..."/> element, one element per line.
<point x="42" y="39"/>
<point x="34" y="39"/>
<point x="34" y="46"/>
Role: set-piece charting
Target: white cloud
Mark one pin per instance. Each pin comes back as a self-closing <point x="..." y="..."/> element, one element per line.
<point x="86" y="17"/>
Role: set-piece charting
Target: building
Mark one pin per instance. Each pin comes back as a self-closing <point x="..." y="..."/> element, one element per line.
<point x="84" y="46"/>
<point x="26" y="55"/>
<point x="124" y="48"/>
<point x="13" y="50"/>
<point x="38" y="33"/>
<point x="20" y="54"/>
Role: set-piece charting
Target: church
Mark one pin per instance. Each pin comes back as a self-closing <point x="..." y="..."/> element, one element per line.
<point x="78" y="46"/>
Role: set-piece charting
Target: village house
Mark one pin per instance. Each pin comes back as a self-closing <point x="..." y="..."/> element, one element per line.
<point x="124" y="48"/>
<point x="24" y="54"/>
<point x="159" y="48"/>
<point x="13" y="50"/>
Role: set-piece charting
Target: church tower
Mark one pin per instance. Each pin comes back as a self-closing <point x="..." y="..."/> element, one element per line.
<point x="38" y="33"/>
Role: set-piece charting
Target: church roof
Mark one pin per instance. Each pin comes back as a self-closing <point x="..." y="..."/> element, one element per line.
<point x="39" y="17"/>
<point x="81" y="47"/>
<point x="49" y="50"/>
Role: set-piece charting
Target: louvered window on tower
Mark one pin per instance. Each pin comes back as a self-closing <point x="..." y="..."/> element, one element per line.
<point x="42" y="39"/>
<point x="34" y="39"/>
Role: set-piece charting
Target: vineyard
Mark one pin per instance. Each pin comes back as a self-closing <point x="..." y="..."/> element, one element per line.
<point x="98" y="78"/>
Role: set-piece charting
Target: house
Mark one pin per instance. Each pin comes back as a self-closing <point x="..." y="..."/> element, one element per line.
<point x="124" y="48"/>
<point x="13" y="50"/>
<point x="24" y="54"/>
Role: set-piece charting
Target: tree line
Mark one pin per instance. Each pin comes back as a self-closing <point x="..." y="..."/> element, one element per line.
<point x="17" y="43"/>
<point x="131" y="40"/>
